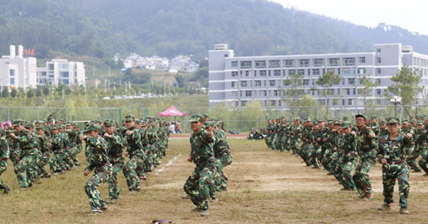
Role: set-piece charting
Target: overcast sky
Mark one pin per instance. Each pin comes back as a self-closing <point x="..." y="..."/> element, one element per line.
<point x="408" y="14"/>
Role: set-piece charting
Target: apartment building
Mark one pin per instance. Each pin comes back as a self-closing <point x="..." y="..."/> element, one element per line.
<point x="61" y="71"/>
<point x="240" y="80"/>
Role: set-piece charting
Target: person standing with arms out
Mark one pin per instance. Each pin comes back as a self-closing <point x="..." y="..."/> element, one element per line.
<point x="99" y="162"/>
<point x="393" y="150"/>
<point x="366" y="148"/>
<point x="200" y="182"/>
<point x="115" y="149"/>
<point x="4" y="155"/>
<point x="28" y="143"/>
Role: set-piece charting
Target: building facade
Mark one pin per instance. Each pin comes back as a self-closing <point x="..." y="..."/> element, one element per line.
<point x="240" y="80"/>
<point x="61" y="71"/>
<point x="17" y="71"/>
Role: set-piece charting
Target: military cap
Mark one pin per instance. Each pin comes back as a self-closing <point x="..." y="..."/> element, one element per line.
<point x="296" y="118"/>
<point x="205" y="116"/>
<point x="315" y="123"/>
<point x="361" y="115"/>
<point x="92" y="127"/>
<point x="373" y="117"/>
<point x="414" y="120"/>
<point x="38" y="122"/>
<point x="29" y="125"/>
<point x="129" y="117"/>
<point x="420" y="123"/>
<point x="54" y="128"/>
<point x="144" y="122"/>
<point x="394" y="120"/>
<point x="330" y="122"/>
<point x="109" y="123"/>
<point x="41" y="128"/>
<point x="137" y="121"/>
<point x="345" y="118"/>
<point x="338" y="122"/>
<point x="196" y="118"/>
<point x="321" y="120"/>
<point x="17" y="122"/>
<point x="346" y="124"/>
<point x="405" y="121"/>
<point x="209" y="124"/>
<point x="61" y="126"/>
<point x="382" y="122"/>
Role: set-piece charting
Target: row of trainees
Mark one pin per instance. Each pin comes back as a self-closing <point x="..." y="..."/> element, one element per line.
<point x="341" y="148"/>
<point x="210" y="151"/>
<point x="30" y="150"/>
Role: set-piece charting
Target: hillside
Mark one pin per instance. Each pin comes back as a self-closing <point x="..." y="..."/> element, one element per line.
<point x="99" y="28"/>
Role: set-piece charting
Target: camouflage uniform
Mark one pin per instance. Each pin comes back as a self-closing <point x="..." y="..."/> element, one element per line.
<point x="44" y="146"/>
<point x="395" y="151"/>
<point x="349" y="160"/>
<point x="4" y="155"/>
<point x="420" y="148"/>
<point x="366" y="148"/>
<point x="57" y="163"/>
<point x="200" y="182"/>
<point x="99" y="162"/>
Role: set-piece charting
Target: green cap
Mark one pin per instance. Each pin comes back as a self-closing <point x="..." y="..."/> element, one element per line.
<point x="137" y="121"/>
<point x="205" y="115"/>
<point x="109" y="123"/>
<point x="330" y="122"/>
<point x="394" y="120"/>
<point x="17" y="122"/>
<point x="129" y="117"/>
<point x="209" y="124"/>
<point x="92" y="127"/>
<point x="420" y="123"/>
<point x="296" y="118"/>
<point x="346" y="124"/>
<point x="321" y="120"/>
<point x="338" y="122"/>
<point x="196" y="118"/>
<point x="41" y="128"/>
<point x="54" y="128"/>
<point x="29" y="125"/>
<point x="373" y="117"/>
<point x="361" y="115"/>
<point x="405" y="121"/>
<point x="315" y="123"/>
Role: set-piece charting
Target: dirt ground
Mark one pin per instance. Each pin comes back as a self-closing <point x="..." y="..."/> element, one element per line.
<point x="264" y="187"/>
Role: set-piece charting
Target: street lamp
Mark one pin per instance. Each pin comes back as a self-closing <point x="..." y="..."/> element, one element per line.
<point x="395" y="100"/>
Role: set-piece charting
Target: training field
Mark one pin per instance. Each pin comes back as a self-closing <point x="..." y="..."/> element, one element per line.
<point x="264" y="187"/>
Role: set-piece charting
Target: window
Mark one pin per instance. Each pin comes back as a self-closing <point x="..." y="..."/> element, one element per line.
<point x="348" y="92"/>
<point x="63" y="66"/>
<point x="263" y="93"/>
<point x="64" y="74"/>
<point x="247" y="73"/>
<point x="275" y="93"/>
<point x="378" y="50"/>
<point x="378" y="81"/>
<point x="289" y="63"/>
<point x="361" y="60"/>
<point x="291" y="72"/>
<point x="271" y="82"/>
<point x="51" y="66"/>
<point x="235" y="94"/>
<point x="353" y="90"/>
<point x="318" y="62"/>
<point x="277" y="72"/>
<point x="378" y="71"/>
<point x="349" y="101"/>
<point x="304" y="63"/>
<point x="360" y="91"/>
<point x="315" y="72"/>
<point x="321" y="102"/>
<point x="274" y="64"/>
<point x="66" y="81"/>
<point x="330" y="92"/>
<point x="338" y="91"/>
<point x="335" y="102"/>
<point x="263" y="73"/>
<point x="330" y="70"/>
<point x="43" y="73"/>
<point x="248" y="93"/>
<point x="226" y="55"/>
<point x="234" y="74"/>
<point x="243" y="83"/>
<point x="361" y="71"/>
<point x="234" y="64"/>
<point x="12" y="73"/>
<point x="346" y="71"/>
<point x="378" y="60"/>
<point x="301" y="71"/>
<point x="378" y="91"/>
<point x="279" y="103"/>
<point x="306" y="82"/>
<point x="243" y="103"/>
<point x="378" y="101"/>
<point x="333" y="62"/>
<point x="258" y="83"/>
<point x="232" y="84"/>
<point x="246" y="64"/>
<point x="12" y="81"/>
<point x="273" y="102"/>
<point x="349" y="61"/>
<point x="260" y="64"/>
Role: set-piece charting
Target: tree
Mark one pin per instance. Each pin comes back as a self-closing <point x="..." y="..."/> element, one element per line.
<point x="46" y="91"/>
<point x="326" y="81"/>
<point x="5" y="93"/>
<point x="180" y="81"/>
<point x="406" y="85"/>
<point x="367" y="88"/>
<point x="292" y="92"/>
<point x="30" y="93"/>
<point x="14" y="93"/>
<point x="38" y="92"/>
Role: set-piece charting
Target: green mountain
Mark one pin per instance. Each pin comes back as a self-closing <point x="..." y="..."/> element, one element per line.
<point x="99" y="28"/>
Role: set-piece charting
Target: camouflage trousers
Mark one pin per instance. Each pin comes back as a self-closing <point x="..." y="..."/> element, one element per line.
<point x="73" y="154"/>
<point x="57" y="163"/>
<point x="200" y="183"/>
<point x="3" y="167"/>
<point x="43" y="161"/>
<point x="389" y="174"/>
<point x="14" y="153"/>
<point x="361" y="174"/>
<point x="333" y="161"/>
<point x="423" y="163"/>
<point x="113" y="189"/>
<point x="343" y="172"/>
<point x="135" y="164"/>
<point x="26" y="164"/>
<point x="411" y="160"/>
<point x="102" y="175"/>
<point x="225" y="158"/>
<point x="313" y="155"/>
<point x="327" y="159"/>
<point x="68" y="158"/>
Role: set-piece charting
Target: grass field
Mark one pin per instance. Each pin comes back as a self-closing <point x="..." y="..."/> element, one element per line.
<point x="264" y="187"/>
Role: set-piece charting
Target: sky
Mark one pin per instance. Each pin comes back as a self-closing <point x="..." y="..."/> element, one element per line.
<point x="408" y="14"/>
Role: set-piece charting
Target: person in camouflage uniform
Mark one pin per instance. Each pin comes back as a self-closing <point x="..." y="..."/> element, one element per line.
<point x="296" y="135"/>
<point x="73" y="136"/>
<point x="393" y="150"/>
<point x="337" y="142"/>
<point x="313" y="145"/>
<point x="349" y="158"/>
<point x="137" y="155"/>
<point x="366" y="148"/>
<point x="420" y="146"/>
<point x="99" y="162"/>
<point x="44" y="146"/>
<point x="4" y="155"/>
<point x="26" y="161"/>
<point x="67" y="146"/>
<point x="115" y="152"/>
<point x="200" y="182"/>
<point x="57" y="163"/>
<point x="329" y="146"/>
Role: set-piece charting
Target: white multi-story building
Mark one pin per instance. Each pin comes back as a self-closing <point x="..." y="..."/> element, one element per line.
<point x="239" y="80"/>
<point x="17" y="71"/>
<point x="61" y="71"/>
